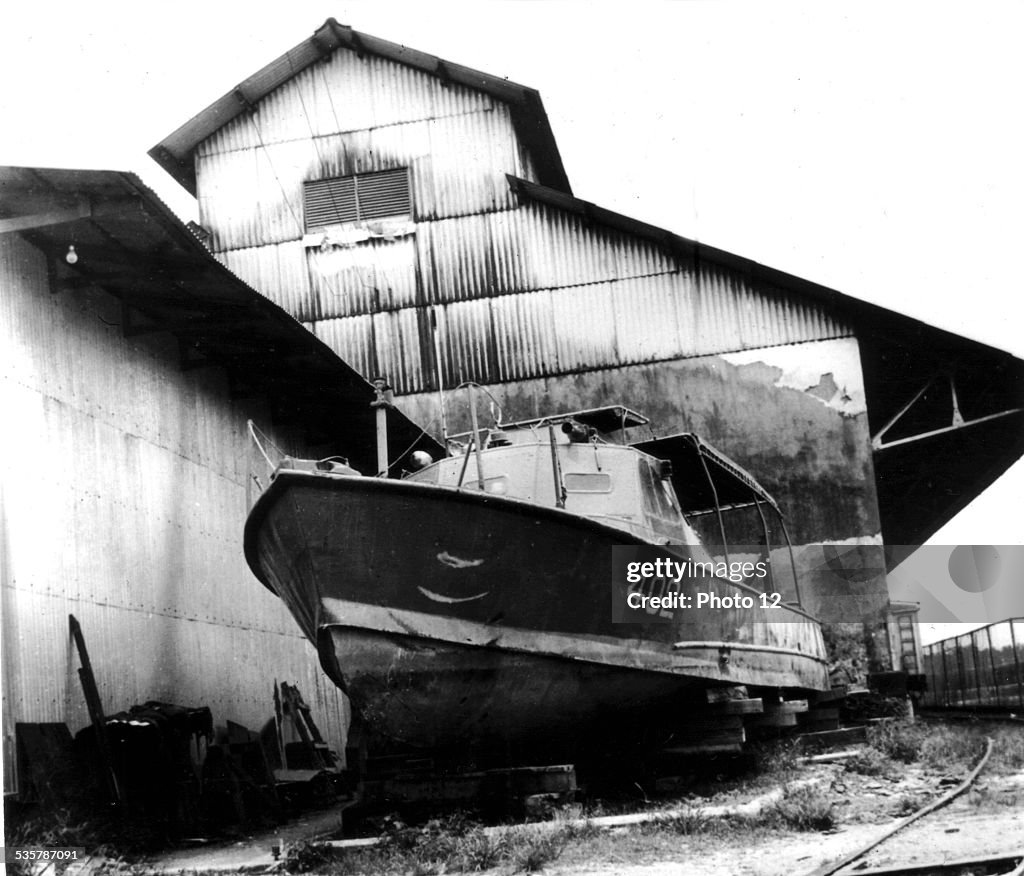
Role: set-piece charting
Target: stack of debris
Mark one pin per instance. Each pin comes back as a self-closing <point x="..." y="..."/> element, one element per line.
<point x="167" y="765"/>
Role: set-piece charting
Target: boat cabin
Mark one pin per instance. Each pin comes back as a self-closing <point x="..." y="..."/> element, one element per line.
<point x="673" y="490"/>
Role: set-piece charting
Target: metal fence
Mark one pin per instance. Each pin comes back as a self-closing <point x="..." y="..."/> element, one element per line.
<point x="980" y="669"/>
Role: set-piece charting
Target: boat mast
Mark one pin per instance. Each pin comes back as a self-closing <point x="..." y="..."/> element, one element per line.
<point x="381" y="403"/>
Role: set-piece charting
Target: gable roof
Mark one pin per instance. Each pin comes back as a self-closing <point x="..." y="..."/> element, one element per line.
<point x="175" y="153"/>
<point x="133" y="247"/>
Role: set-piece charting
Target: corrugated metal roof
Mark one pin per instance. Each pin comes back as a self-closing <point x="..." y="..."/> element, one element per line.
<point x="176" y="152"/>
<point x="132" y="246"/>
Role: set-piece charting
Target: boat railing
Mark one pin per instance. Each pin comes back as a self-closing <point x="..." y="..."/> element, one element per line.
<point x="711" y="486"/>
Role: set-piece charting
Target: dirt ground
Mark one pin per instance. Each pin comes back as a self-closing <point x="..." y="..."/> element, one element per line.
<point x="985" y="821"/>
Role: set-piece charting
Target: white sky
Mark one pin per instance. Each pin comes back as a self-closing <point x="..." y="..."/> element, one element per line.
<point x="872" y="147"/>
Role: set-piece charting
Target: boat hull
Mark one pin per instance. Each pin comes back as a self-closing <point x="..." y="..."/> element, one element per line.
<point x="495" y="705"/>
<point x="455" y="618"/>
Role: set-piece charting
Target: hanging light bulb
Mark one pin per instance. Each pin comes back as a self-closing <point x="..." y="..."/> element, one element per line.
<point x="72" y="256"/>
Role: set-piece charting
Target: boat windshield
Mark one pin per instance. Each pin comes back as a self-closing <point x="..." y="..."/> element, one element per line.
<point x="660" y="506"/>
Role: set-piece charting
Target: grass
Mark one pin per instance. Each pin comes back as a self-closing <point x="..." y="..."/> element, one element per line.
<point x="449" y="845"/>
<point x="686" y="822"/>
<point x="459" y="844"/>
<point x="774" y="760"/>
<point x="898" y="740"/>
<point x="936" y="747"/>
<point x="117" y="840"/>
<point x="802" y="808"/>
<point x="1008" y="749"/>
<point x="871" y="762"/>
<point x="908" y="804"/>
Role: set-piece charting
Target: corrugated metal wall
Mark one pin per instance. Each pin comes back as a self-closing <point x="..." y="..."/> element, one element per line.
<point x="351" y="115"/>
<point x="531" y="292"/>
<point x="124" y="497"/>
<point x="482" y="287"/>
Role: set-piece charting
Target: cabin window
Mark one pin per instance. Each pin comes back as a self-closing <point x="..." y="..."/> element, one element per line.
<point x="587" y="482"/>
<point x="663" y="514"/>
<point x="359" y="197"/>
<point x="657" y="495"/>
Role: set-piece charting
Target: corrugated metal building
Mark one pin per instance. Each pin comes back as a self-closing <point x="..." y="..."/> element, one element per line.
<point x="479" y="264"/>
<point x="129" y="376"/>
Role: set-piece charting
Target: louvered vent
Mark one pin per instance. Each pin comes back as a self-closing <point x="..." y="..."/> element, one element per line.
<point x="363" y="196"/>
<point x="329" y="201"/>
<point x="383" y="194"/>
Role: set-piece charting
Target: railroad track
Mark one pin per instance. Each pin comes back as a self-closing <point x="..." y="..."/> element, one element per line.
<point x="1001" y="865"/>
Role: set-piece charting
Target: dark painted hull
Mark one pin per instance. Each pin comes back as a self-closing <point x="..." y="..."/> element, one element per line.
<point x="455" y="618"/>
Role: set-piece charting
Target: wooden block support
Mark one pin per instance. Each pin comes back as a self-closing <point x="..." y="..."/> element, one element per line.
<point x="737" y="707"/>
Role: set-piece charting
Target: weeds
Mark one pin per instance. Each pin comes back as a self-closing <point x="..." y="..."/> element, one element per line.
<point x="898" y="740"/>
<point x="908" y="804"/>
<point x="870" y="762"/>
<point x="949" y="747"/>
<point x="305" y="857"/>
<point x="573" y="828"/>
<point x="805" y="807"/>
<point x="775" y="760"/>
<point x="687" y="822"/>
<point x="1008" y="749"/>
<point x="532" y="852"/>
<point x="457" y="844"/>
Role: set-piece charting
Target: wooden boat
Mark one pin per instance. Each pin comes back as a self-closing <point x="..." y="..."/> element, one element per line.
<point x="472" y="605"/>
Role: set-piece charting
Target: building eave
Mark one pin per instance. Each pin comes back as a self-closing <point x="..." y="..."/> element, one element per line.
<point x="130" y="245"/>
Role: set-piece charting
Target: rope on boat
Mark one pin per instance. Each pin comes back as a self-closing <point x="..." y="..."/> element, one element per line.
<point x="253" y="429"/>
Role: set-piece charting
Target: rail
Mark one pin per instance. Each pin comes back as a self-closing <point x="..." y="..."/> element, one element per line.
<point x="948" y="797"/>
<point x="982" y="669"/>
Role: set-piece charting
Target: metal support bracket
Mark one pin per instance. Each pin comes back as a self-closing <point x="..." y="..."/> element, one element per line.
<point x="957" y="420"/>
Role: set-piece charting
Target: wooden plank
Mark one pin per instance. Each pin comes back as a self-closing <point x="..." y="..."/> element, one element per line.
<point x="819" y="726"/>
<point x="705" y="748"/>
<point x="777" y="718"/>
<point x="711" y="723"/>
<point x="95" y="708"/>
<point x="832" y="738"/>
